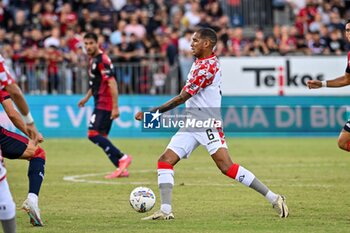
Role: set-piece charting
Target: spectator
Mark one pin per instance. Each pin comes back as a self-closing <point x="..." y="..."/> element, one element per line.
<point x="335" y="43"/>
<point x="185" y="54"/>
<point x="53" y="57"/>
<point x="124" y="53"/>
<point x="336" y="22"/>
<point x="106" y="16"/>
<point x="20" y="22"/>
<point x="192" y="16"/>
<point x="288" y="43"/>
<point x="68" y="18"/>
<point x="238" y="45"/>
<point x="49" y="17"/>
<point x="69" y="59"/>
<point x="258" y="47"/>
<point x="316" y="24"/>
<point x="316" y="45"/>
<point x="5" y="17"/>
<point x="54" y="39"/>
<point x="272" y="45"/>
<point x="134" y="27"/>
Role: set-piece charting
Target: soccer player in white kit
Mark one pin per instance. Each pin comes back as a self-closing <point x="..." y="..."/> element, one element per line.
<point x="202" y="93"/>
<point x="7" y="205"/>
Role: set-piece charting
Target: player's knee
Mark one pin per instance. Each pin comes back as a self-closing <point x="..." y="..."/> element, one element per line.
<point x="344" y="145"/>
<point x="166" y="160"/>
<point x="92" y="135"/>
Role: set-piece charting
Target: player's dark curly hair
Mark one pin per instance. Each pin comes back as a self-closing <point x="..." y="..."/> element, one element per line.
<point x="91" y="35"/>
<point x="210" y="34"/>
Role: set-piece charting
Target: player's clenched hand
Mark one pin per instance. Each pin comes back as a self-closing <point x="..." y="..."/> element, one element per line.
<point x="313" y="84"/>
<point x="82" y="102"/>
<point x="115" y="113"/>
<point x="138" y="116"/>
<point x="34" y="134"/>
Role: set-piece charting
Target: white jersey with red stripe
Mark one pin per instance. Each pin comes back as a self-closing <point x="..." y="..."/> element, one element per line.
<point x="5" y="77"/>
<point x="203" y="83"/>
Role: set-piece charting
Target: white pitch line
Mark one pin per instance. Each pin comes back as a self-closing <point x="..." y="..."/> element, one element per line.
<point x="80" y="179"/>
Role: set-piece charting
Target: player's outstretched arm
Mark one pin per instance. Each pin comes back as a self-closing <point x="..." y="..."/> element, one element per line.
<point x="19" y="100"/>
<point x="86" y="98"/>
<point x="173" y="103"/>
<point x="337" y="82"/>
<point x="18" y="97"/>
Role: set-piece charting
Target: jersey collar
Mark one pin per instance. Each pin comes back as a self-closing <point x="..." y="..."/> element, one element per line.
<point x="211" y="56"/>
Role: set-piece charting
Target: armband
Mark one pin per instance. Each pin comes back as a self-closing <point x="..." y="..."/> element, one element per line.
<point x="324" y="83"/>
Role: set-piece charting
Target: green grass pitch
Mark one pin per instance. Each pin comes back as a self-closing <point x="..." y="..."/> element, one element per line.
<point x="312" y="173"/>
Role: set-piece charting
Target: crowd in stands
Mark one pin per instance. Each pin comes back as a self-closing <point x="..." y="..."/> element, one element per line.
<point x="43" y="47"/>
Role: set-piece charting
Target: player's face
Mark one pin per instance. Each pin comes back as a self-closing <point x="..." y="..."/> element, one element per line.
<point x="197" y="45"/>
<point x="91" y="46"/>
<point x="347" y="31"/>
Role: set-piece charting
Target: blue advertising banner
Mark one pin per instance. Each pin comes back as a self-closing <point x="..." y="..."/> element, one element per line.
<point x="59" y="116"/>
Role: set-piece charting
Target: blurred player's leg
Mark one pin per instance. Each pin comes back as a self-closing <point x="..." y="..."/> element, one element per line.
<point x="15" y="146"/>
<point x="7" y="206"/>
<point x="99" y="127"/>
<point x="36" y="172"/>
<point x="244" y="176"/>
<point x="165" y="185"/>
<point x="120" y="160"/>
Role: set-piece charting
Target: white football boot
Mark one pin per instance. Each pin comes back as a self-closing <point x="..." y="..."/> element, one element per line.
<point x="281" y="207"/>
<point x="159" y="215"/>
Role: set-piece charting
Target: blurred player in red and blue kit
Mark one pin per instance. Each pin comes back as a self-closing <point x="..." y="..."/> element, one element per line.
<point x="15" y="146"/>
<point x="104" y="89"/>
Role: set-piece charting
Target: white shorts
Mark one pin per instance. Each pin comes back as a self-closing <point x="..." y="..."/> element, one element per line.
<point x="184" y="142"/>
<point x="7" y="205"/>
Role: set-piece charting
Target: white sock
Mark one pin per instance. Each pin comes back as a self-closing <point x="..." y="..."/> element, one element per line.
<point x="165" y="208"/>
<point x="244" y="176"/>
<point x="33" y="198"/>
<point x="271" y="196"/>
<point x="124" y="157"/>
<point x="165" y="185"/>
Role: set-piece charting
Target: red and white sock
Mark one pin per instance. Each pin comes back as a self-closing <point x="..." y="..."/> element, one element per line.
<point x="165" y="184"/>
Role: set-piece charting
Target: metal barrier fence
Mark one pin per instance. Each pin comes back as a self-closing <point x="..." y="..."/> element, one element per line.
<point x="249" y="13"/>
<point x="145" y="77"/>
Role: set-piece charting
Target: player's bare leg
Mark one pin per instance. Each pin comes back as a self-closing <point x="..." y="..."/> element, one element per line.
<point x="235" y="171"/>
<point x="166" y="165"/>
<point x="344" y="140"/>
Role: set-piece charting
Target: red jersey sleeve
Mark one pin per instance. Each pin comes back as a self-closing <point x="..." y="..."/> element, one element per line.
<point x="202" y="76"/>
<point x="106" y="68"/>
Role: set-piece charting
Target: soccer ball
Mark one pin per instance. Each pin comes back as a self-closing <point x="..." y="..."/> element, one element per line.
<point x="142" y="199"/>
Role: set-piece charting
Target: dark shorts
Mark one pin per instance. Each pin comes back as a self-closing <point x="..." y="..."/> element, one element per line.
<point x="347" y="126"/>
<point x="100" y="121"/>
<point x="12" y="144"/>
